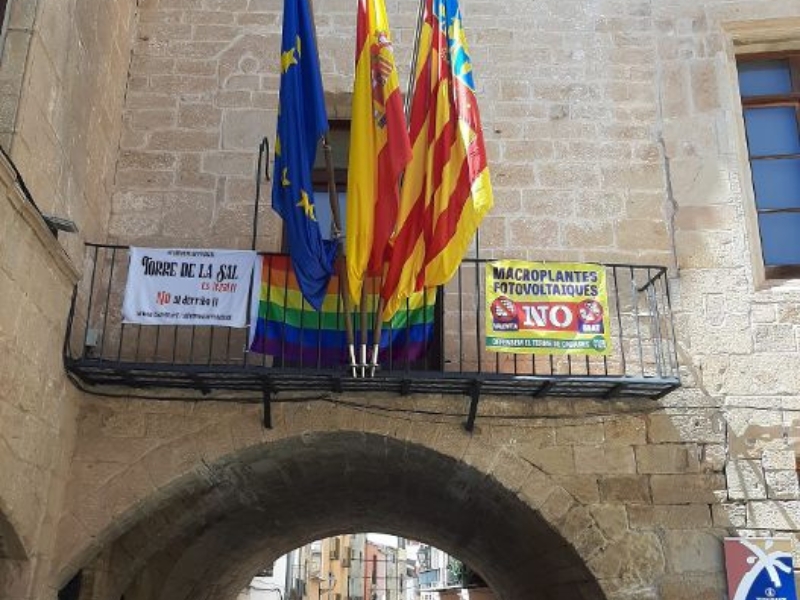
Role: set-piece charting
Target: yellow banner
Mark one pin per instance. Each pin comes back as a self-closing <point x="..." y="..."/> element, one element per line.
<point x="547" y="308"/>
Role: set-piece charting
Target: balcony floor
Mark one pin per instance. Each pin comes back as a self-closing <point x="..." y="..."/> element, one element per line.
<point x="206" y="379"/>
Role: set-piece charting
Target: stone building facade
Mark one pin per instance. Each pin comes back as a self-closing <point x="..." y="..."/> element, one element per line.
<point x="615" y="134"/>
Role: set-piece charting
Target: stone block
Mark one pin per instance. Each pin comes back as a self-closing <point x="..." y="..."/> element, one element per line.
<point x="147" y="120"/>
<point x="696" y="179"/>
<point x="605" y="460"/>
<point x="249" y="81"/>
<point x="773" y="514"/>
<point x="635" y="556"/>
<point x="611" y="520"/>
<point x="695" y="426"/>
<point x="199" y="68"/>
<point x="713" y="457"/>
<point x="666" y="517"/>
<point x="214" y="32"/>
<point x="729" y="515"/>
<point x="764" y="373"/>
<point x="782" y="485"/>
<point x="584" y="488"/>
<point x="745" y="480"/>
<point x="643" y="234"/>
<point x="625" y="489"/>
<point x="589" y="434"/>
<point x="696" y="587"/>
<point x="589" y="234"/>
<point x="183" y="141"/>
<point x="229" y="163"/>
<point x="555" y="460"/>
<point x="199" y="116"/>
<point x="704" y="86"/>
<point x="753" y="431"/>
<point x="131" y="159"/>
<point x="536" y="489"/>
<point x="625" y="431"/>
<point x="703" y="218"/>
<point x="708" y="249"/>
<point x="702" y="488"/>
<point x="779" y="460"/>
<point x="510" y="471"/>
<point x="557" y="505"/>
<point x="143" y="180"/>
<point x="774" y="338"/>
<point x="666" y="458"/>
<point x="763" y="313"/>
<point x="151" y="65"/>
<point x="175" y="458"/>
<point x="244" y="129"/>
<point x="693" y="552"/>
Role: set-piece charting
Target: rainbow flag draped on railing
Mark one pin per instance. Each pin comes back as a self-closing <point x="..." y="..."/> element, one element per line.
<point x="285" y="326"/>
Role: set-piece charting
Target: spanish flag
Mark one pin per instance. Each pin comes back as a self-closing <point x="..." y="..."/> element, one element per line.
<point x="446" y="189"/>
<point x="379" y="148"/>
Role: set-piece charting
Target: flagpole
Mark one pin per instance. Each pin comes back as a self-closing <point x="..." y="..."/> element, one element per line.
<point x="263" y="161"/>
<point x="413" y="68"/>
<point x="406" y="108"/>
<point x="376" y="339"/>
<point x="333" y="198"/>
<point x="364" y="341"/>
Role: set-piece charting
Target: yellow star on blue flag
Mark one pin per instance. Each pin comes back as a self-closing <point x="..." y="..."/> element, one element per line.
<point x="307" y="206"/>
<point x="302" y="121"/>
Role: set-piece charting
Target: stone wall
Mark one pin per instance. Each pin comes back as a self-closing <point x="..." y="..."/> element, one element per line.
<point x="67" y="125"/>
<point x="614" y="134"/>
<point x="739" y="333"/>
<point x="63" y="72"/>
<point x="618" y="481"/>
<point x="37" y="404"/>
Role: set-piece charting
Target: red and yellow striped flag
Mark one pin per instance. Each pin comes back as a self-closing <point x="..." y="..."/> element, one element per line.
<point x="379" y="148"/>
<point x="446" y="188"/>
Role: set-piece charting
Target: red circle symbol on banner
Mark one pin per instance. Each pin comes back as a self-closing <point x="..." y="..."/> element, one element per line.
<point x="504" y="310"/>
<point x="590" y="311"/>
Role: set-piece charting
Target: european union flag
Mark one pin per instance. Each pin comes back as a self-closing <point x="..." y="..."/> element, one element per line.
<point x="302" y="121"/>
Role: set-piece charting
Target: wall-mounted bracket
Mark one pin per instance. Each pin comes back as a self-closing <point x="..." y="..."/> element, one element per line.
<point x="475" y="396"/>
<point x="267" y="392"/>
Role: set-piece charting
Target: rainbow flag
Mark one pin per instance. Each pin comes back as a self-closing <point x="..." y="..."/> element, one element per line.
<point x="285" y="326"/>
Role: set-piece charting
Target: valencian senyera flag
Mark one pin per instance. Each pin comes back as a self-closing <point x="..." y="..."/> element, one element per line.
<point x="285" y="327"/>
<point x="302" y="121"/>
<point x="379" y="148"/>
<point x="446" y="189"/>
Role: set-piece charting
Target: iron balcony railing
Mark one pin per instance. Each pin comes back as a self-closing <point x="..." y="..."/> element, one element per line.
<point x="102" y="351"/>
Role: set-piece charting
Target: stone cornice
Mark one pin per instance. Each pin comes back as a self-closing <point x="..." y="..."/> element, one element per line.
<point x="20" y="203"/>
<point x="767" y="35"/>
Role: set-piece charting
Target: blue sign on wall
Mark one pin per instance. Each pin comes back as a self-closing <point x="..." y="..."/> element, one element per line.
<point x="760" y="569"/>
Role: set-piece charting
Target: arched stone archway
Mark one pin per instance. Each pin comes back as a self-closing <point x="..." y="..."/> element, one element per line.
<point x="160" y="492"/>
<point x="283" y="494"/>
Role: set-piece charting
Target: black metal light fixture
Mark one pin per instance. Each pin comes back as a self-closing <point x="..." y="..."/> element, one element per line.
<point x="56" y="224"/>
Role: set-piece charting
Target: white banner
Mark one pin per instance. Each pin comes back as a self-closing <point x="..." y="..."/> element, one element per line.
<point x="188" y="287"/>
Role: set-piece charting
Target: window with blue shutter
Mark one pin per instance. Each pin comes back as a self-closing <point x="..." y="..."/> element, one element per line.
<point x="770" y="89"/>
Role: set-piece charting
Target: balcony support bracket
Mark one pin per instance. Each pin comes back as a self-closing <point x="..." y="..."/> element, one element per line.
<point x="267" y="391"/>
<point x="475" y="396"/>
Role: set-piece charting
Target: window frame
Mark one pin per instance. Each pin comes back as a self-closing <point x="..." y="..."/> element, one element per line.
<point x="319" y="174"/>
<point x="790" y="99"/>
